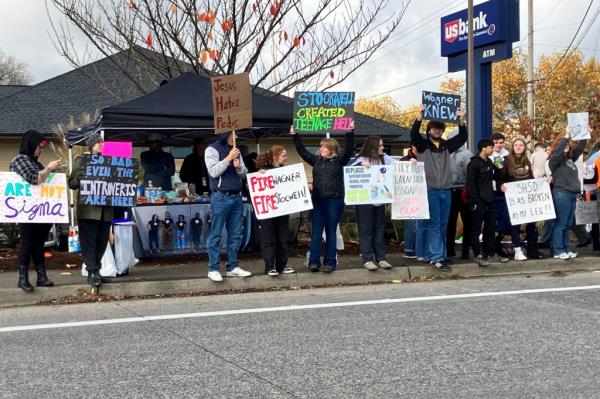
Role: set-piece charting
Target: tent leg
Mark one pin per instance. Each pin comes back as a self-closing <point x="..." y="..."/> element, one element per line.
<point x="71" y="193"/>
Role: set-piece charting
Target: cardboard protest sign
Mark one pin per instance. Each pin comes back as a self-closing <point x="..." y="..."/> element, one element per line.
<point x="232" y="102"/>
<point x="410" y="191"/>
<point x="529" y="201"/>
<point x="322" y="112"/>
<point x="22" y="202"/>
<point x="369" y="186"/>
<point x="279" y="191"/>
<point x="108" y="181"/>
<point x="440" y="107"/>
<point x="117" y="149"/>
<point x="579" y="123"/>
<point x="586" y="212"/>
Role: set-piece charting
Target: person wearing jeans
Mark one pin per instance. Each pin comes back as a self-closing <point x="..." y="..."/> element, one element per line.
<point x="434" y="152"/>
<point x="225" y="169"/>
<point x="327" y="196"/>
<point x="566" y="187"/>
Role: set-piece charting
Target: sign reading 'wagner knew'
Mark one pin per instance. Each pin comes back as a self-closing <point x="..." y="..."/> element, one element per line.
<point x="321" y="112"/>
<point x="108" y="181"/>
<point x="440" y="107"/>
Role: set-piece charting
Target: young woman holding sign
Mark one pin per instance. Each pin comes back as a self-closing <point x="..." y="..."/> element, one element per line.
<point x="371" y="218"/>
<point x="516" y="167"/>
<point x="327" y="196"/>
<point x="274" y="231"/>
<point x="33" y="235"/>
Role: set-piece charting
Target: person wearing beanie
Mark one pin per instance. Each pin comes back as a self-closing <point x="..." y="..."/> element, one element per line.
<point x="480" y="191"/>
<point x="158" y="165"/>
<point x="94" y="221"/>
<point x="33" y="235"/>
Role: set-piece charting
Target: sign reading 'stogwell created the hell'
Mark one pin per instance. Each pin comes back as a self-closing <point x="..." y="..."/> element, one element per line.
<point x="22" y="202"/>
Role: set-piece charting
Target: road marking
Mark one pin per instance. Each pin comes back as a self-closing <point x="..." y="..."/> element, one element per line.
<point x="291" y="307"/>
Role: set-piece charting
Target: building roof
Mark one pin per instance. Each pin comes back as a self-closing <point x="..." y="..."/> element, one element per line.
<point x="7" y="90"/>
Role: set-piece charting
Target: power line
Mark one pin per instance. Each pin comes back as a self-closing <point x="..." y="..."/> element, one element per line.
<point x="408" y="85"/>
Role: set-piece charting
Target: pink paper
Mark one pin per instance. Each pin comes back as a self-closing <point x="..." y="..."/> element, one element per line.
<point x="117" y="149"/>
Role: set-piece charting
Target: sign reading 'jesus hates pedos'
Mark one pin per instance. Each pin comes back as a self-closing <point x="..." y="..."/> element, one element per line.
<point x="232" y="102"/>
<point x="440" y="107"/>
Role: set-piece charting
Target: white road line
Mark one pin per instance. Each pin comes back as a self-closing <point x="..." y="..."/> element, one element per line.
<point x="291" y="307"/>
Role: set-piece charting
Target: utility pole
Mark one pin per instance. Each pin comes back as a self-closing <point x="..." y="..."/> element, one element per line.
<point x="530" y="98"/>
<point x="471" y="78"/>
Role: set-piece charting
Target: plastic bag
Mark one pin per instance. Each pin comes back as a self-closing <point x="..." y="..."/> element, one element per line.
<point x="108" y="268"/>
<point x="125" y="259"/>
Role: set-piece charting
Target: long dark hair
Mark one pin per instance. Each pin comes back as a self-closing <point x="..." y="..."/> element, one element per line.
<point x="29" y="142"/>
<point x="370" y="148"/>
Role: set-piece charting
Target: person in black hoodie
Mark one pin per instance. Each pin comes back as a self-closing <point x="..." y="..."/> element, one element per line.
<point x="327" y="196"/>
<point x="480" y="190"/>
<point x="193" y="170"/>
<point x="33" y="235"/>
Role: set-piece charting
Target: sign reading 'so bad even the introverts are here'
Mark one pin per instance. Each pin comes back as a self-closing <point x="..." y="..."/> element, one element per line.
<point x="22" y="202"/>
<point x="323" y="111"/>
<point x="279" y="191"/>
<point x="108" y="181"/>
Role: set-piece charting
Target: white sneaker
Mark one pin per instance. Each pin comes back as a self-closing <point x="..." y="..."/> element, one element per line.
<point x="572" y="254"/>
<point x="370" y="266"/>
<point x="384" y="264"/>
<point x="563" y="256"/>
<point x="288" y="270"/>
<point x="519" y="255"/>
<point x="238" y="272"/>
<point x="215" y="276"/>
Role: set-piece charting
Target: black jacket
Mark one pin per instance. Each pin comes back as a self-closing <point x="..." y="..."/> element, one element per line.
<point x="480" y="177"/>
<point x="194" y="171"/>
<point x="328" y="173"/>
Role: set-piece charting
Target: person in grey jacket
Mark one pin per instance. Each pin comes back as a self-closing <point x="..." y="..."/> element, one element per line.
<point x="458" y="164"/>
<point x="435" y="152"/>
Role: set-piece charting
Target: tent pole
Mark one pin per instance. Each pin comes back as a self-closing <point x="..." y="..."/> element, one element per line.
<point x="71" y="193"/>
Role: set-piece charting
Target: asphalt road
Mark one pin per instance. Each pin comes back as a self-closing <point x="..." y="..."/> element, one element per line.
<point x="382" y="341"/>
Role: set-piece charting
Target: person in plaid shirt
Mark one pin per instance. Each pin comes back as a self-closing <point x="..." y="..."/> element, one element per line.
<point x="33" y="235"/>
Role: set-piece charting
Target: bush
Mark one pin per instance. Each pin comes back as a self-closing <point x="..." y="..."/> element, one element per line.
<point x="9" y="235"/>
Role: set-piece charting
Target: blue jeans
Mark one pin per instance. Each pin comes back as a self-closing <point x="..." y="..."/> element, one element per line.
<point x="439" y="211"/>
<point x="564" y="206"/>
<point x="226" y="211"/>
<point x="421" y="247"/>
<point x="410" y="236"/>
<point x="326" y="215"/>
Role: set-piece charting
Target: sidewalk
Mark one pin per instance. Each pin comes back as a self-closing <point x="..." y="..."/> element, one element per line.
<point x="173" y="279"/>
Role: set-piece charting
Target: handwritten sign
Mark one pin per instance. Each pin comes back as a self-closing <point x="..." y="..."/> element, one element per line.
<point x="232" y="102"/>
<point x="369" y="186"/>
<point x="579" y="123"/>
<point x="410" y="191"/>
<point x="108" y="181"/>
<point x="440" y="107"/>
<point x="586" y="212"/>
<point x="117" y="149"/>
<point x="30" y="203"/>
<point x="529" y="201"/>
<point x="321" y="112"/>
<point x="279" y="191"/>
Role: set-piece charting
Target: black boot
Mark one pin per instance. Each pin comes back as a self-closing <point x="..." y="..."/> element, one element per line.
<point x="500" y="251"/>
<point x="24" y="278"/>
<point x="42" y="278"/>
<point x="94" y="279"/>
<point x="533" y="252"/>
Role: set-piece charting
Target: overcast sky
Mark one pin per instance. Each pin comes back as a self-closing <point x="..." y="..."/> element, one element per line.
<point x="411" y="56"/>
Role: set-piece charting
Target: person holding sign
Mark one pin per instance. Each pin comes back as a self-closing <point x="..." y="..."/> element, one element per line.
<point x="327" y="196"/>
<point x="566" y="187"/>
<point x="274" y="231"/>
<point x="33" y="235"/>
<point x="94" y="220"/>
<point x="226" y="170"/>
<point x="371" y="218"/>
<point x="516" y="167"/>
<point x="435" y="152"/>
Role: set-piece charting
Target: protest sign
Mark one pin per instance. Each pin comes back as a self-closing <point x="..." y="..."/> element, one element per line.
<point x="586" y="212"/>
<point x="529" y="201"/>
<point x="374" y="185"/>
<point x="108" y="181"/>
<point x="117" y="149"/>
<point x="410" y="191"/>
<point x="232" y="102"/>
<point x="322" y="112"/>
<point x="33" y="203"/>
<point x="579" y="123"/>
<point x="280" y="191"/>
<point x="440" y="107"/>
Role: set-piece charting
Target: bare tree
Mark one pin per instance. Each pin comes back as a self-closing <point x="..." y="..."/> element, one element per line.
<point x="284" y="44"/>
<point x="12" y="71"/>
